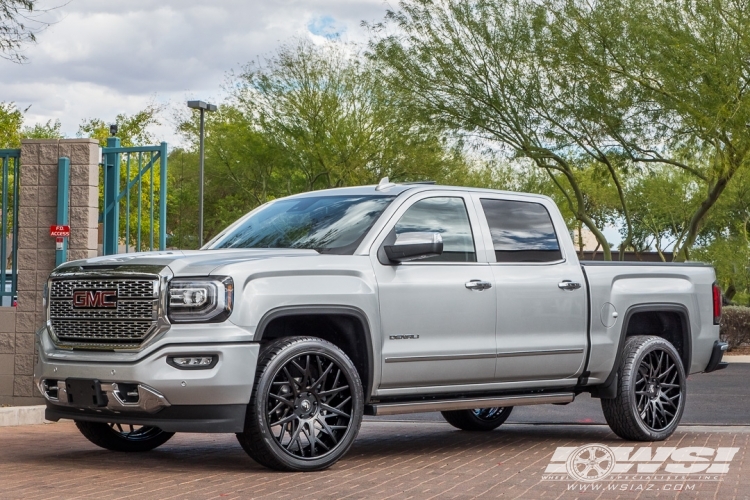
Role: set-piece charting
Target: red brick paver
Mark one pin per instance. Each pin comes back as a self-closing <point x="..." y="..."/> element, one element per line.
<point x="389" y="460"/>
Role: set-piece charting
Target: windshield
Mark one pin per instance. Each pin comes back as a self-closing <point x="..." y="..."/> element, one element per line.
<point x="328" y="224"/>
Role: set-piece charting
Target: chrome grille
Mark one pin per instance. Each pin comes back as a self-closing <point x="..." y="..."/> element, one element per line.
<point x="128" y="325"/>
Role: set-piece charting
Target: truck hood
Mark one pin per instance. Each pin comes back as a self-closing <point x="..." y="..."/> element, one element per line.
<point x="188" y="262"/>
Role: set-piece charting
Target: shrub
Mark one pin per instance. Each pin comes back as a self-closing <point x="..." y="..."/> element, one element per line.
<point x="735" y="326"/>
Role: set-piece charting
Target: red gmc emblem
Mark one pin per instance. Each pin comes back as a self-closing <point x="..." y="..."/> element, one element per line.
<point x="94" y="299"/>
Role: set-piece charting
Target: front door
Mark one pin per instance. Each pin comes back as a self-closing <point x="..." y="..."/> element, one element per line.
<point x="436" y="329"/>
<point x="541" y="295"/>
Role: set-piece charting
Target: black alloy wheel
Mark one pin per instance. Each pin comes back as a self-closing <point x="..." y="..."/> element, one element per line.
<point x="479" y="419"/>
<point x="306" y="408"/>
<point x="657" y="390"/>
<point x="124" y="437"/>
<point x="135" y="432"/>
<point x="651" y="390"/>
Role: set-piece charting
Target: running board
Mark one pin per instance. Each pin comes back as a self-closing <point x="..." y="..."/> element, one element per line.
<point x="468" y="404"/>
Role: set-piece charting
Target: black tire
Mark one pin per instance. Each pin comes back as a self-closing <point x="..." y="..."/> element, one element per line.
<point x="123" y="437"/>
<point x="480" y="419"/>
<point x="306" y="406"/>
<point x="651" y="390"/>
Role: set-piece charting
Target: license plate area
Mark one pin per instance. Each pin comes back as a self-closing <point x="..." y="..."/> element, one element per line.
<point x="85" y="392"/>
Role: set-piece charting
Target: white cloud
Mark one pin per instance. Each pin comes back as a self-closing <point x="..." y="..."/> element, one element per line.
<point x="99" y="59"/>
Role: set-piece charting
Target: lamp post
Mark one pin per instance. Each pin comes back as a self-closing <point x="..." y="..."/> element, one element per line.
<point x="203" y="107"/>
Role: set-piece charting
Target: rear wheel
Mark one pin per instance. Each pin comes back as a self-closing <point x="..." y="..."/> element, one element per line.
<point x="651" y="391"/>
<point x="123" y="437"/>
<point x="480" y="419"/>
<point x="306" y="407"/>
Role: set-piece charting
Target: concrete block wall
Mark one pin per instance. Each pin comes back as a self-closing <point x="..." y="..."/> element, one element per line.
<point x="36" y="249"/>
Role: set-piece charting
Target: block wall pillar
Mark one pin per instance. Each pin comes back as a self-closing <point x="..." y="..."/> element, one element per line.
<point x="36" y="249"/>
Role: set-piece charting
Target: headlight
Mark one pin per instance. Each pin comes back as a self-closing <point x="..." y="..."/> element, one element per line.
<point x="194" y="300"/>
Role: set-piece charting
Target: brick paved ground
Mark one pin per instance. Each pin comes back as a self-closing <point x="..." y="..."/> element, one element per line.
<point x="389" y="460"/>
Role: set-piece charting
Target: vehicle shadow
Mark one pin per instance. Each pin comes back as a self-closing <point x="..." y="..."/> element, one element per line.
<point x="378" y="442"/>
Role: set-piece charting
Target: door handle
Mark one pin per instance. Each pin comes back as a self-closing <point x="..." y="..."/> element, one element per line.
<point x="568" y="285"/>
<point x="478" y="285"/>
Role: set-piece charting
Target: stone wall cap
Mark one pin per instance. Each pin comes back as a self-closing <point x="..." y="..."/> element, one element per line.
<point x="86" y="140"/>
<point x="40" y="141"/>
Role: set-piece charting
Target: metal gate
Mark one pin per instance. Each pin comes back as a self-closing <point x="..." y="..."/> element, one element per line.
<point x="11" y="160"/>
<point x="135" y="183"/>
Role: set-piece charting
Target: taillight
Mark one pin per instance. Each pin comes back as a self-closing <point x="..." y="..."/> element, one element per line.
<point x="717" y="304"/>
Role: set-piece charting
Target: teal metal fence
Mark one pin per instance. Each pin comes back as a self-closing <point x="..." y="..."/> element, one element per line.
<point x="134" y="208"/>
<point x="63" y="205"/>
<point x="11" y="161"/>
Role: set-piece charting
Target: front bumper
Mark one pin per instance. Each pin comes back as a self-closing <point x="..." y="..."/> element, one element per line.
<point x="148" y="390"/>
<point x="183" y="418"/>
<point x="715" y="363"/>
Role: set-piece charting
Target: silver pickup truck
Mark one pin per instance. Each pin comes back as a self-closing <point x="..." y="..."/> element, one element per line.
<point x="314" y="310"/>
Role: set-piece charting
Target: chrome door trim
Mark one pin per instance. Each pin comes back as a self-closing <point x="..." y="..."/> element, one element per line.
<point x="470" y="404"/>
<point x="538" y="353"/>
<point x="439" y="357"/>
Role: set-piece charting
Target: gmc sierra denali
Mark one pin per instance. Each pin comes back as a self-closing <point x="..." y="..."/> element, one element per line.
<point x="315" y="309"/>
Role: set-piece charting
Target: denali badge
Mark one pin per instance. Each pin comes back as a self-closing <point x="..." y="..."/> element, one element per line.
<point x="94" y="299"/>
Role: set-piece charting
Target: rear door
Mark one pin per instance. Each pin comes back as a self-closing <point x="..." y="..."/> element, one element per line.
<point x="541" y="299"/>
<point x="438" y="328"/>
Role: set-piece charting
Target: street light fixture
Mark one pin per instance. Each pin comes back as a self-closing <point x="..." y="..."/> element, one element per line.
<point x="203" y="107"/>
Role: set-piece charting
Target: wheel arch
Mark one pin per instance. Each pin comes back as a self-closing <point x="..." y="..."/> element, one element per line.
<point x="346" y="327"/>
<point x="674" y="320"/>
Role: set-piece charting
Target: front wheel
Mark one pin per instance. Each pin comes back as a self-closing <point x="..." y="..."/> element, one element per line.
<point x="651" y="390"/>
<point x="123" y="437"/>
<point x="306" y="406"/>
<point x="480" y="419"/>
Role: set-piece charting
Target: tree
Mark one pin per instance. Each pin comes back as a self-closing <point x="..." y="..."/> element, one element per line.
<point x="483" y="68"/>
<point x="11" y="122"/>
<point x="337" y="121"/>
<point x="12" y="128"/>
<point x="18" y="26"/>
<point x="49" y="130"/>
<point x="622" y="87"/>
<point x="310" y="117"/>
<point x="686" y="64"/>
<point x="133" y="130"/>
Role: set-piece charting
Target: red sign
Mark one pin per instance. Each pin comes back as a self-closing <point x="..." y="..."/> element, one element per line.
<point x="59" y="231"/>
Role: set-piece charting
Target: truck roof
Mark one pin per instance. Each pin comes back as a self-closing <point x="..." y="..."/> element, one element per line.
<point x="395" y="189"/>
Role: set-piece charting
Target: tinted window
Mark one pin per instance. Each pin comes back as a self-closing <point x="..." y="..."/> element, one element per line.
<point x="446" y="216"/>
<point x="521" y="231"/>
<point x="328" y="224"/>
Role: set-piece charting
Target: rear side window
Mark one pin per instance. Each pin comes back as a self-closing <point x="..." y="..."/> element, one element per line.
<point x="444" y="215"/>
<point x="521" y="231"/>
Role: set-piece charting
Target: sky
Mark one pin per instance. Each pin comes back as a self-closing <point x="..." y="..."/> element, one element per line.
<point x="100" y="58"/>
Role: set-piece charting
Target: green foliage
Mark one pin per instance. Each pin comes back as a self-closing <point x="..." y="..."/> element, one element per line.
<point x="493" y="70"/>
<point x="683" y="65"/>
<point x="48" y="130"/>
<point x="11" y="121"/>
<point x="12" y="128"/>
<point x="735" y="326"/>
<point x="135" y="129"/>
<point x="597" y="94"/>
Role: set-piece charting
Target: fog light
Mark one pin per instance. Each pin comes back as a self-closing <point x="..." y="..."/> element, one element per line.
<point x="193" y="362"/>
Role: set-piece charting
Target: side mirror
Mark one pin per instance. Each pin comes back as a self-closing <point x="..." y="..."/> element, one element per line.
<point x="414" y="246"/>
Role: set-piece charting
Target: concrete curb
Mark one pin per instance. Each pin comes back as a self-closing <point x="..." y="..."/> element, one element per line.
<point x="736" y="358"/>
<point x="22" y="415"/>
